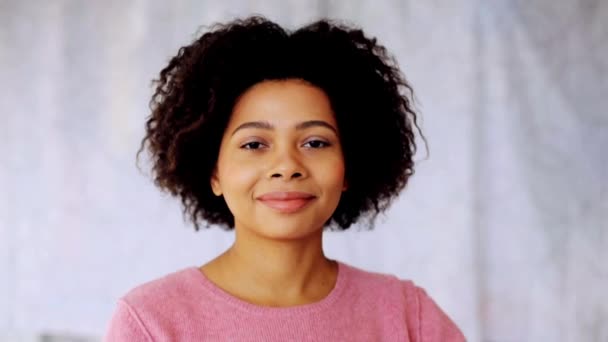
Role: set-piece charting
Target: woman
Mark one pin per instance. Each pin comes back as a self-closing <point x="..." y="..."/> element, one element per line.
<point x="279" y="135"/>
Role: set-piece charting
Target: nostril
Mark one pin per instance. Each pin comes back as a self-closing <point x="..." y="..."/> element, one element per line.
<point x="280" y="175"/>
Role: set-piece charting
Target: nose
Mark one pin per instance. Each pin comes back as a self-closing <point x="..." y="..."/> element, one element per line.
<point x="287" y="165"/>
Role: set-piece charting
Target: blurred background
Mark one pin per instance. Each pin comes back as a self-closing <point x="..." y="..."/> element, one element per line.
<point x="505" y="223"/>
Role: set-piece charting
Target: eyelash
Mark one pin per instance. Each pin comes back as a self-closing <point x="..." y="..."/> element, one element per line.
<point x="323" y="144"/>
<point x="244" y="146"/>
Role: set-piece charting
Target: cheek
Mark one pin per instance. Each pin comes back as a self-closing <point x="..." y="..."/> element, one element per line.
<point x="333" y="173"/>
<point x="238" y="175"/>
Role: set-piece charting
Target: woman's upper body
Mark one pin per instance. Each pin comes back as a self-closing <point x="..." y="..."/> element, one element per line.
<point x="362" y="306"/>
<point x="278" y="135"/>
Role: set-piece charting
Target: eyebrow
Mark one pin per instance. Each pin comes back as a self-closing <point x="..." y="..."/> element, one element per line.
<point x="300" y="126"/>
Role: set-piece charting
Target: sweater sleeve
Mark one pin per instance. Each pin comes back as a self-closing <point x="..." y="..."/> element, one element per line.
<point x="434" y="325"/>
<point x="126" y="326"/>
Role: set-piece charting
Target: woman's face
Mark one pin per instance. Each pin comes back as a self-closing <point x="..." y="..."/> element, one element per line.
<point x="280" y="167"/>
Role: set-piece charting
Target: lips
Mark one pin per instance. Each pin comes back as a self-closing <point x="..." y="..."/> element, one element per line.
<point x="286" y="201"/>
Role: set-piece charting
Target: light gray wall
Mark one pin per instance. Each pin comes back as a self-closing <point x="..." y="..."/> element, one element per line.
<point x="505" y="223"/>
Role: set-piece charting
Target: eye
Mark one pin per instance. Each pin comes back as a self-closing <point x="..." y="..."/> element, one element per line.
<point x="253" y="145"/>
<point x="316" y="144"/>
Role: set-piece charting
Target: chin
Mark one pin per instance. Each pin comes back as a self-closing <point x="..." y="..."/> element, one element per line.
<point x="288" y="230"/>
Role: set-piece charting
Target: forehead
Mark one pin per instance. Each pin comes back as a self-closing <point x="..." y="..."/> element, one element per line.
<point x="282" y="102"/>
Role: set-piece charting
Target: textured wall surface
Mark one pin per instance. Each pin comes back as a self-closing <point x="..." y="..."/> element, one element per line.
<point x="505" y="223"/>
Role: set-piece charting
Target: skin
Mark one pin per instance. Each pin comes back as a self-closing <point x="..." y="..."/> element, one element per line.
<point x="282" y="136"/>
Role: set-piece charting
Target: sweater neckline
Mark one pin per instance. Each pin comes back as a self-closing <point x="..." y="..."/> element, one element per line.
<point x="320" y="305"/>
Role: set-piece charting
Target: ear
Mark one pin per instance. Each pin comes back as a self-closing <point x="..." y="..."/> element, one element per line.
<point x="215" y="184"/>
<point x="345" y="185"/>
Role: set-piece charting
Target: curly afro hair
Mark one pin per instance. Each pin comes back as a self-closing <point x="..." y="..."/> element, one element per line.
<point x="197" y="90"/>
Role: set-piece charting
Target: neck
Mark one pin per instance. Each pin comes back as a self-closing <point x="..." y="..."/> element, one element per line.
<point x="275" y="272"/>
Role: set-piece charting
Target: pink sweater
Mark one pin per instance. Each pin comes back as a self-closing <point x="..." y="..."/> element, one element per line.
<point x="363" y="306"/>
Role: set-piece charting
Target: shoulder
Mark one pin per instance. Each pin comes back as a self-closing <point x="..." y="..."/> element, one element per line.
<point x="424" y="319"/>
<point x="431" y="323"/>
<point x="377" y="283"/>
<point x="368" y="278"/>
<point x="167" y="288"/>
<point x="152" y="305"/>
<point x="378" y="292"/>
<point x="165" y="297"/>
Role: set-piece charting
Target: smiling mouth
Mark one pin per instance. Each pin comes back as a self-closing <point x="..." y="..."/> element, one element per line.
<point x="287" y="206"/>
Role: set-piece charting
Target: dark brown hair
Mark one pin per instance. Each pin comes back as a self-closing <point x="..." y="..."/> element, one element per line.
<point x="196" y="92"/>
